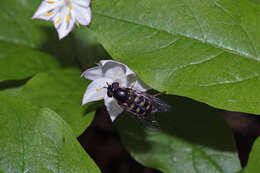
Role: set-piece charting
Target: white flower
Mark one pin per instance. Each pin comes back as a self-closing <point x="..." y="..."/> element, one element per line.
<point x="110" y="71"/>
<point x="64" y="13"/>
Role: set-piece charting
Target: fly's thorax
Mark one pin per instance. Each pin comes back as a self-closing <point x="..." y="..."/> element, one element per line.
<point x="121" y="94"/>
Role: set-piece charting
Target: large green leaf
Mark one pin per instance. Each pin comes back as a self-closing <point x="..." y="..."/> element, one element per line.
<point x="207" y="50"/>
<point x="37" y="139"/>
<point x="17" y="26"/>
<point x="62" y="91"/>
<point x="20" y="43"/>
<point x="194" y="138"/>
<point x="253" y="164"/>
<point x="19" y="62"/>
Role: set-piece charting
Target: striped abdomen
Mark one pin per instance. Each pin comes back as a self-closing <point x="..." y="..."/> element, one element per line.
<point x="137" y="104"/>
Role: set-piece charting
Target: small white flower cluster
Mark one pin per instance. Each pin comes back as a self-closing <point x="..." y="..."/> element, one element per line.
<point x="64" y="14"/>
<point x="107" y="72"/>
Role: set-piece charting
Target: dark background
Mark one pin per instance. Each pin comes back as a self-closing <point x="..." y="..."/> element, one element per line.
<point x="102" y="141"/>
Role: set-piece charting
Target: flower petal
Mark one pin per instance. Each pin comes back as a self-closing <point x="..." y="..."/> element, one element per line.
<point x="64" y="22"/>
<point x="46" y="10"/>
<point x="124" y="67"/>
<point x="112" y="107"/>
<point x="82" y="3"/>
<point x="93" y="73"/>
<point x="82" y="14"/>
<point x="96" y="90"/>
<point x="115" y="71"/>
<point x="137" y="84"/>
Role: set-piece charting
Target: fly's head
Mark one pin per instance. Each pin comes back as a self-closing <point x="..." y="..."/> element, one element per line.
<point x="111" y="89"/>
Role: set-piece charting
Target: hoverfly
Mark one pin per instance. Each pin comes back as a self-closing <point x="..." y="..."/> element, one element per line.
<point x="141" y="105"/>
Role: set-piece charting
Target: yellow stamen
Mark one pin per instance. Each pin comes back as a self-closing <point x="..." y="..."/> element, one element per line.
<point x="58" y="21"/>
<point x="68" y="17"/>
<point x="100" y="98"/>
<point x="50" y="2"/>
<point x="48" y="14"/>
<point x="97" y="89"/>
<point x="70" y="7"/>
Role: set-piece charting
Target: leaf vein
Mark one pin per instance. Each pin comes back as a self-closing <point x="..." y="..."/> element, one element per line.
<point x="10" y="14"/>
<point x="230" y="81"/>
<point x="196" y="20"/>
<point x="226" y="49"/>
<point x="239" y="25"/>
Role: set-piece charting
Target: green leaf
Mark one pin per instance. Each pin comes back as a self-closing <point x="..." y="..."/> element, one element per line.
<point x="29" y="46"/>
<point x="206" y="50"/>
<point x="20" y="43"/>
<point x="19" y="62"/>
<point x="12" y="87"/>
<point x="193" y="138"/>
<point x="253" y="164"/>
<point x="17" y="26"/>
<point x="62" y="91"/>
<point x="37" y="139"/>
<point x="89" y="50"/>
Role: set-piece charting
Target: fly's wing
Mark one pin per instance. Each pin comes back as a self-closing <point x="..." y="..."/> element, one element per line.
<point x="159" y="105"/>
<point x="147" y="121"/>
<point x="150" y="123"/>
